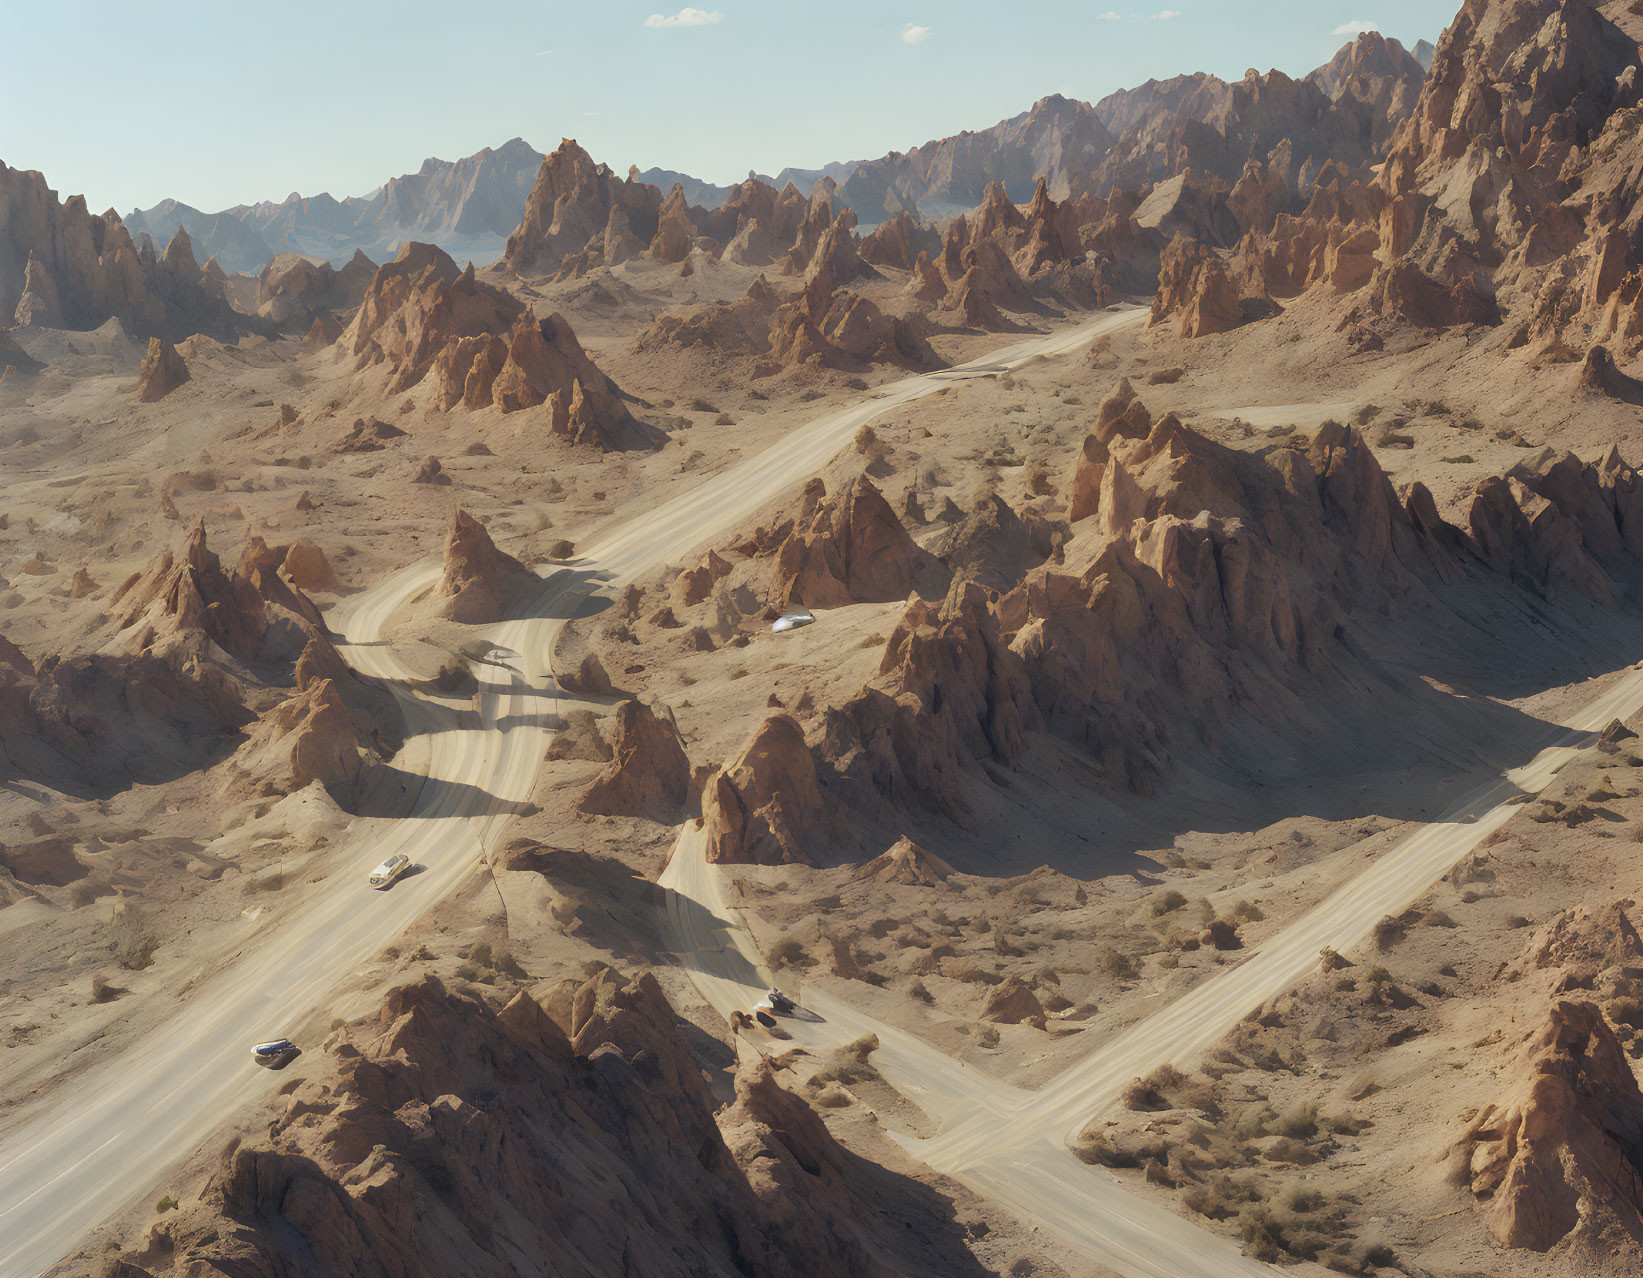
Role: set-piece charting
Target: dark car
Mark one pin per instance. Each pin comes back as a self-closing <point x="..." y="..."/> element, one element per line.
<point x="276" y="1055"/>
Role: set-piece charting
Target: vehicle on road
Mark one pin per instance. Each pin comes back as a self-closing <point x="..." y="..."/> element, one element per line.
<point x="384" y="875"/>
<point x="779" y="1002"/>
<point x="276" y="1055"/>
<point x="792" y="621"/>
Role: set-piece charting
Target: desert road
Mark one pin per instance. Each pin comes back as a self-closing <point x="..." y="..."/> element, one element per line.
<point x="86" y="1149"/>
<point x="1012" y="1145"/>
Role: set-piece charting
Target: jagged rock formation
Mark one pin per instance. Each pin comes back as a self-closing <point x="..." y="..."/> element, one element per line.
<point x="62" y="267"/>
<point x="576" y="203"/>
<point x="481" y="583"/>
<point x="1195" y="583"/>
<point x="905" y="863"/>
<point x="294" y="294"/>
<point x="422" y="315"/>
<point x="323" y="332"/>
<point x="649" y="774"/>
<point x="162" y="372"/>
<point x="1562" y="1155"/>
<point x="417" y="306"/>
<point x="198" y="653"/>
<point x="766" y="807"/>
<point x="852" y="549"/>
<point x="899" y="242"/>
<point x="309" y="737"/>
<point x="1502" y="196"/>
<point x="1195" y="286"/>
<point x="434" y="1142"/>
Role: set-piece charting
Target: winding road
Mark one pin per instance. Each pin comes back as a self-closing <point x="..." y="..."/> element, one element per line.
<point x="84" y="1151"/>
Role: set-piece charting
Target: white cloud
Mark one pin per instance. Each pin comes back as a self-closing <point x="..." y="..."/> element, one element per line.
<point x="686" y="18"/>
<point x="1352" y="30"/>
<point x="590" y="115"/>
<point x="545" y="53"/>
<point x="1164" y="15"/>
<point x="1108" y="16"/>
<point x="912" y="33"/>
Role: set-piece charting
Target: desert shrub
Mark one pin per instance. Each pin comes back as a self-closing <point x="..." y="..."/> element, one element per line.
<point x="1388" y="932"/>
<point x="102" y="991"/>
<point x="168" y="1203"/>
<point x="987" y="1036"/>
<point x="1439" y="918"/>
<point x="700" y="405"/>
<point x="789" y="952"/>
<point x="1168" y="903"/>
<point x="1120" y="965"/>
<point x="564" y="548"/>
<point x="134" y="943"/>
<point x="809" y="396"/>
<point x="1302" y="1120"/>
<point x="1248" y="912"/>
<point x="1262" y="1236"/>
<point x="724" y="419"/>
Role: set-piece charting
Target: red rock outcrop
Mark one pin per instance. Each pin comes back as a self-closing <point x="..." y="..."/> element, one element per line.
<point x="675" y="233"/>
<point x="307" y="738"/>
<point x="481" y="583"/>
<point x="649" y="774"/>
<point x="162" y="372"/>
<point x="766" y="807"/>
<point x="294" y="293"/>
<point x="577" y="205"/>
<point x="60" y="266"/>
<point x="434" y="1142"/>
<point x="906" y="863"/>
<point x="949" y="694"/>
<point x="306" y="567"/>
<point x="1563" y="1154"/>
<point x="417" y="305"/>
<point x="849" y="550"/>
<point x="1195" y="286"/>
<point x="899" y="242"/>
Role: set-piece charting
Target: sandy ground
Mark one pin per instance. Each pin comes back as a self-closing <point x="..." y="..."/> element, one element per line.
<point x="1059" y="884"/>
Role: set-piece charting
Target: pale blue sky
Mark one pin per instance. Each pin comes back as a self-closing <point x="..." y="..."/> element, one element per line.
<point x="228" y="102"/>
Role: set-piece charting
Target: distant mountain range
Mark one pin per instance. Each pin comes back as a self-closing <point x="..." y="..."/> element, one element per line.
<point x="1132" y="137"/>
<point x="468" y="207"/>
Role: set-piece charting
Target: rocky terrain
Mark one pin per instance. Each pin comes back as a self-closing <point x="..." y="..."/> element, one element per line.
<point x="1198" y="498"/>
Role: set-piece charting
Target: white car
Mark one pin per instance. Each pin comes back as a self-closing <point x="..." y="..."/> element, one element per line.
<point x="792" y="621"/>
<point x="384" y="875"/>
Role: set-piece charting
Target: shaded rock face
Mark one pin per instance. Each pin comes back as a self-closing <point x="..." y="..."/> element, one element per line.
<point x="198" y="649"/>
<point x="849" y="550"/>
<point x="162" y="372"/>
<point x="576" y="201"/>
<point x="309" y="737"/>
<point x="1565" y="1153"/>
<point x="766" y="807"/>
<point x="649" y="774"/>
<point x="1195" y="286"/>
<point x="906" y="863"/>
<point x="1194" y="582"/>
<point x="481" y="583"/>
<point x="1561" y="526"/>
<point x="1012" y="1002"/>
<point x="436" y="1142"/>
<point x="545" y="364"/>
<point x="899" y="242"/>
<point x="293" y="293"/>
<point x="949" y="694"/>
<point x="60" y="266"/>
<point x="1505" y="194"/>
<point x="415" y="307"/>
